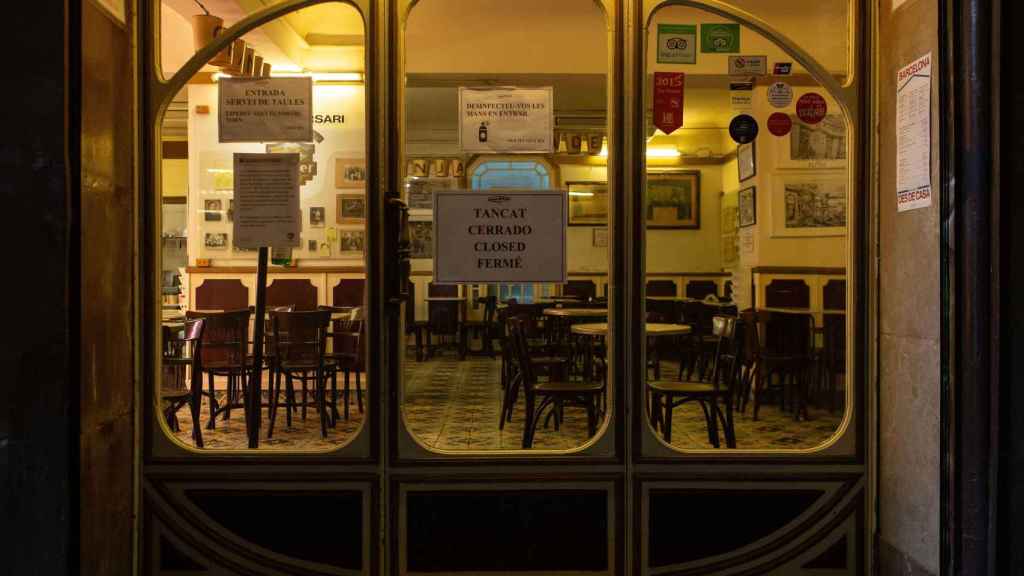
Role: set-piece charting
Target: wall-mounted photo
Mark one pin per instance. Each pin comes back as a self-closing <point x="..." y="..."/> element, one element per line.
<point x="212" y="210"/>
<point x="746" y="160"/>
<point x="349" y="173"/>
<point x="421" y="193"/>
<point x="351" y="209"/>
<point x="421" y="235"/>
<point x="809" y="204"/>
<point x="600" y="238"/>
<point x="588" y="203"/>
<point x="747" y="207"/>
<point x="312" y="246"/>
<point x="810" y="146"/>
<point x="307" y="166"/>
<point x="351" y="243"/>
<point x="316" y="217"/>
<point x="673" y="200"/>
<point x="216" y="240"/>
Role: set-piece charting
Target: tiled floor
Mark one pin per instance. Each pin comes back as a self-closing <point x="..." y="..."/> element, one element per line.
<point x="454" y="405"/>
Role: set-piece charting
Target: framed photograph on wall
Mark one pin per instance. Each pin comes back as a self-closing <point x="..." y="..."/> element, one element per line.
<point x="588" y="203"/>
<point x="420" y="193"/>
<point x="673" y="199"/>
<point x="351" y="243"/>
<point x="212" y="210"/>
<point x="350" y="173"/>
<point x="216" y="241"/>
<point x="421" y="237"/>
<point x="600" y="239"/>
<point x="746" y="160"/>
<point x="809" y="204"/>
<point x="351" y="209"/>
<point x="747" y="207"/>
<point x="814" y="146"/>
<point x="316" y="217"/>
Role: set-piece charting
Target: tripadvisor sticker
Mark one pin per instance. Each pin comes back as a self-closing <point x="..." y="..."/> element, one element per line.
<point x="743" y="129"/>
<point x="720" y="38"/>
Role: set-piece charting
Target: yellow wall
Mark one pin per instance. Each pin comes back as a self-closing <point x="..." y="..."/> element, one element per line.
<point x="174" y="174"/>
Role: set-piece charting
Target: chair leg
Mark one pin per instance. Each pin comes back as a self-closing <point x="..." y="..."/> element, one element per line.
<point x="321" y="402"/>
<point x="591" y="416"/>
<point x="275" y="389"/>
<point x="334" y="394"/>
<point x="195" y="403"/>
<point x="711" y="417"/>
<point x="346" y="393"/>
<point x="666" y="422"/>
<point x="529" y="424"/>
<point x="211" y="425"/>
<point x="758" y="391"/>
<point x="305" y="398"/>
<point x="289" y="398"/>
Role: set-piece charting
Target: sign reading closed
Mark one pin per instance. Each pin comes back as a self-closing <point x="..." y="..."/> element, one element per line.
<point x="503" y="237"/>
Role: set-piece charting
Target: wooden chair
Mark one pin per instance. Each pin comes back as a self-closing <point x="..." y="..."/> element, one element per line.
<point x="225" y="347"/>
<point x="582" y="289"/>
<point x="348" y="354"/>
<point x="833" y="355"/>
<point x="544" y="358"/>
<point x="553" y="393"/>
<point x="442" y="318"/>
<point x="666" y="395"/>
<point x="299" y="345"/>
<point x="484" y="329"/>
<point x="784" y="349"/>
<point x="184" y="355"/>
<point x="412" y="325"/>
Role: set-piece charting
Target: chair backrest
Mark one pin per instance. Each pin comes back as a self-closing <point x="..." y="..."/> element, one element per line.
<point x="225" y="337"/>
<point x="490" y="307"/>
<point x="517" y="342"/>
<point x="699" y="316"/>
<point x="443" y="290"/>
<point x="299" y="338"/>
<point x="348" y="334"/>
<point x="349" y="292"/>
<point x="784" y="333"/>
<point x="834" y="344"/>
<point x="583" y="289"/>
<point x="729" y="352"/>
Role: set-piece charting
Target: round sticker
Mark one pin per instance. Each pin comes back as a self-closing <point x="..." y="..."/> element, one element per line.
<point x="780" y="95"/>
<point x="779" y="124"/>
<point x="743" y="129"/>
<point x="811" y="108"/>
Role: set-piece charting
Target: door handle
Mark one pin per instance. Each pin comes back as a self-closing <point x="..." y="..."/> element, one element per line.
<point x="398" y="243"/>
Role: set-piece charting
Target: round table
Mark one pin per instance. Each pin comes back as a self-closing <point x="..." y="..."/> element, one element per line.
<point x="577" y="312"/>
<point x="652" y="329"/>
<point x="443" y="299"/>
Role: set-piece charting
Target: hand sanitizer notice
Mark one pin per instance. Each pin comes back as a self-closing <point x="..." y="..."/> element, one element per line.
<point x="506" y="120"/>
<point x="267" y="200"/>
<point x="507" y="236"/>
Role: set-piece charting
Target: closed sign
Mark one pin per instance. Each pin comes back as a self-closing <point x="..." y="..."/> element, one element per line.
<point x="506" y="236"/>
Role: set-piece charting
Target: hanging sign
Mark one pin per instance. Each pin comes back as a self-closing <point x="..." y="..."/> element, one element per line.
<point x="780" y="95"/>
<point x="668" y="101"/>
<point x="266" y="200"/>
<point x="506" y="120"/>
<point x="748" y="65"/>
<point x="811" y="108"/>
<point x="779" y="124"/>
<point x="743" y="129"/>
<point x="265" y="109"/>
<point x="677" y="44"/>
<point x="509" y="236"/>
<point x="913" y="135"/>
<point x="720" y="38"/>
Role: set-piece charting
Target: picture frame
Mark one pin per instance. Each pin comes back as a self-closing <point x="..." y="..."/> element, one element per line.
<point x="420" y="193"/>
<point x="317" y="216"/>
<point x="212" y="209"/>
<point x="351" y="243"/>
<point x="673" y="199"/>
<point x="600" y="238"/>
<point x="349" y="173"/>
<point x="813" y="146"/>
<point x="588" y="203"/>
<point x="216" y="241"/>
<point x="421" y="239"/>
<point x="746" y="161"/>
<point x="747" y="207"/>
<point x="809" y="204"/>
<point x="350" y="209"/>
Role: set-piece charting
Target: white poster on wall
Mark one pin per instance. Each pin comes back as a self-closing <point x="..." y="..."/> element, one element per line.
<point x="506" y="120"/>
<point x="914" y="135"/>
<point x="508" y="236"/>
<point x="265" y="109"/>
<point x="266" y="200"/>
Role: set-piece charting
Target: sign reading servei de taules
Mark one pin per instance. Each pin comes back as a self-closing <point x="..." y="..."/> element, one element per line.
<point x="506" y="120"/>
<point x="265" y="109"/>
<point x="502" y="236"/>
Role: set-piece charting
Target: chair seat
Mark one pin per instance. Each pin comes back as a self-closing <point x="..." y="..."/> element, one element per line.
<point x="555" y="387"/>
<point x="547" y="360"/>
<point x="172" y="394"/>
<point x="329" y="364"/>
<point x="674" y="387"/>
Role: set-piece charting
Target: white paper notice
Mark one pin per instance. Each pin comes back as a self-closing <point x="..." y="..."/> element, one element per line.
<point x="265" y="109"/>
<point x="506" y="120"/>
<point x="507" y="236"/>
<point x="267" y="200"/>
<point x="914" y="135"/>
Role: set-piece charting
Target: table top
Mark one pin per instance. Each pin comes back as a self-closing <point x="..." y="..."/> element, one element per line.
<point x="653" y="329"/>
<point x="685" y="299"/>
<point x="558" y="299"/>
<point x="576" y="312"/>
<point x="444" y="299"/>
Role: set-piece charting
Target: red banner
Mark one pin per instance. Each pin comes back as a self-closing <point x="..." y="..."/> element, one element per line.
<point x="668" y="101"/>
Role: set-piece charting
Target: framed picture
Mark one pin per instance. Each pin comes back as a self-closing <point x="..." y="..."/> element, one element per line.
<point x="216" y="241"/>
<point x="600" y="239"/>
<point x="588" y="203"/>
<point x="351" y="243"/>
<point x="316" y="217"/>
<point x="307" y="164"/>
<point x="746" y="160"/>
<point x="673" y="200"/>
<point x="349" y="173"/>
<point x="421" y="235"/>
<point x="809" y="204"/>
<point x="420" y="193"/>
<point x="351" y="209"/>
<point x="312" y="246"/>
<point x="747" y="207"/>
<point x="212" y="210"/>
<point x="811" y="146"/>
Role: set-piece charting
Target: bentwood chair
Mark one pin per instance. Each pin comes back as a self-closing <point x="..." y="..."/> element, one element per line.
<point x="412" y="325"/>
<point x="442" y="317"/>
<point x="715" y="397"/>
<point x="553" y="393"/>
<point x="484" y="328"/>
<point x="543" y="358"/>
<point x="184" y="358"/>
<point x="299" y="345"/>
<point x="785" y="343"/>
<point x="348" y="354"/>
<point x="225" y="352"/>
<point x="833" y="354"/>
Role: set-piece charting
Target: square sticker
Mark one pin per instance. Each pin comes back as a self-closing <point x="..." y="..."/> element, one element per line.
<point x="719" y="38"/>
<point x="677" y="44"/>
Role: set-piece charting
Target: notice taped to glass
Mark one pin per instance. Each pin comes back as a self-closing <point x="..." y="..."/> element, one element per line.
<point x="506" y="120"/>
<point x="508" y="236"/>
<point x="265" y="109"/>
<point x="914" y="135"/>
<point x="267" y="200"/>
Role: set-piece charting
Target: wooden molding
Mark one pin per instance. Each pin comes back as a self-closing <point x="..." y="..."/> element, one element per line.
<point x="820" y="270"/>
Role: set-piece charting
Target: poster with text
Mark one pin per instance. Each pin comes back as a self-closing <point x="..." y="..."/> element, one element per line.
<point x="914" y="135"/>
<point x="267" y="200"/>
<point x="517" y="120"/>
<point x="265" y="109"/>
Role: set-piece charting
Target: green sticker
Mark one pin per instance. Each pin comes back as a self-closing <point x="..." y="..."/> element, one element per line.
<point x="719" y="38"/>
<point x="677" y="44"/>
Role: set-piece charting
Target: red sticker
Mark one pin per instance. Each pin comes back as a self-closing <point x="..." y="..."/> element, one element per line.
<point x="811" y="108"/>
<point x="668" y="101"/>
<point x="779" y="124"/>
